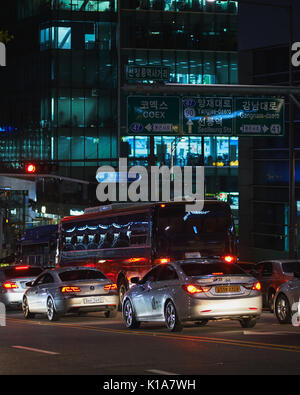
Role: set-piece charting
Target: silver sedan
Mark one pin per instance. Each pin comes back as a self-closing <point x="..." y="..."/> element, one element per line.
<point x="193" y="290"/>
<point x="286" y="301"/>
<point x="67" y="290"/>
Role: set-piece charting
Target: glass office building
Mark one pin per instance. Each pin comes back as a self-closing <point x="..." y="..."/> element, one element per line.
<point x="66" y="67"/>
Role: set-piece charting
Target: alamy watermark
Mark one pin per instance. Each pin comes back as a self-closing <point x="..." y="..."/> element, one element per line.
<point x="2" y="54"/>
<point x="154" y="184"/>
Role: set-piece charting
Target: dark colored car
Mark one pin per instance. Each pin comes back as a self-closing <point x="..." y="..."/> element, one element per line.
<point x="272" y="274"/>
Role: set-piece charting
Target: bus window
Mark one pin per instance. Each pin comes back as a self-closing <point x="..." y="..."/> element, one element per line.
<point x="205" y="233"/>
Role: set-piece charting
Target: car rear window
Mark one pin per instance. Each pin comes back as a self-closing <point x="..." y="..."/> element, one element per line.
<point x="75" y="275"/>
<point x="15" y="272"/>
<point x="291" y="267"/>
<point x="204" y="269"/>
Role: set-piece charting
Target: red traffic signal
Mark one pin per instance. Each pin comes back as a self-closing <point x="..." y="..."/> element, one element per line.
<point x="30" y="168"/>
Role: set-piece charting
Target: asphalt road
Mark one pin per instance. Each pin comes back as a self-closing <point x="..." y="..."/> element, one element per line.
<point x="94" y="345"/>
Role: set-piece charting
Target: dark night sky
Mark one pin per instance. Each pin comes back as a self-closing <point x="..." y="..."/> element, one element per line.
<point x="261" y="26"/>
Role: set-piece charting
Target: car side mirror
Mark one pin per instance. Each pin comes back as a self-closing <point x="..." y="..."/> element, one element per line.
<point x="135" y="280"/>
<point x="29" y="284"/>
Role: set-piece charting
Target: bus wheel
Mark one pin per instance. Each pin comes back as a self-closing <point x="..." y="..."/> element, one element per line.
<point x="122" y="287"/>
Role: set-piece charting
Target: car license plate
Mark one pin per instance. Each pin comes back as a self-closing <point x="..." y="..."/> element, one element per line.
<point x="191" y="255"/>
<point x="93" y="300"/>
<point x="223" y="289"/>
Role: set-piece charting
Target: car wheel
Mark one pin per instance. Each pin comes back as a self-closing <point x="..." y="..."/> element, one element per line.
<point x="25" y="308"/>
<point x="172" y="320"/>
<point x="110" y="314"/>
<point x="271" y="296"/>
<point x="201" y="322"/>
<point x="129" y="316"/>
<point x="248" y="322"/>
<point x="283" y="309"/>
<point x="51" y="312"/>
<point x="122" y="287"/>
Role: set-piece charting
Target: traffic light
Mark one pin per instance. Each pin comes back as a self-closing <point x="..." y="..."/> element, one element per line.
<point x="40" y="167"/>
<point x="30" y="168"/>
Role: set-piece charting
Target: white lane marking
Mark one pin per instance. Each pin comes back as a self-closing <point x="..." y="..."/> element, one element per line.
<point x="36" y="350"/>
<point x="162" y="372"/>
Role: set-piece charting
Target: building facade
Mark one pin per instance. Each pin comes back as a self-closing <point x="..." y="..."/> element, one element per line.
<point x="264" y="166"/>
<point x="65" y="70"/>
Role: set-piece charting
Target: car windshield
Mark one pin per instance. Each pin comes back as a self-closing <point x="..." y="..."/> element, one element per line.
<point x="75" y="275"/>
<point x="18" y="271"/>
<point x="291" y="267"/>
<point x="204" y="269"/>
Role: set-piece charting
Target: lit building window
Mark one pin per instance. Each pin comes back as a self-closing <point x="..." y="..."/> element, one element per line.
<point x="58" y="37"/>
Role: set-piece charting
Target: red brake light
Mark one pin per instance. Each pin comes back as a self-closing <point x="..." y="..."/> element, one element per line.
<point x="193" y="289"/>
<point x="21" y="267"/>
<point x="70" y="289"/>
<point x="10" y="285"/>
<point x="134" y="260"/>
<point x="110" y="287"/>
<point x="229" y="258"/>
<point x="255" y="286"/>
<point x="161" y="260"/>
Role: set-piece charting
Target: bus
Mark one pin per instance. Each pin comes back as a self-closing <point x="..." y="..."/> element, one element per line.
<point x="126" y="240"/>
<point x="38" y="246"/>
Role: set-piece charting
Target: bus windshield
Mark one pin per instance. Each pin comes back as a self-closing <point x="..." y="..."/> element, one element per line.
<point x="205" y="233"/>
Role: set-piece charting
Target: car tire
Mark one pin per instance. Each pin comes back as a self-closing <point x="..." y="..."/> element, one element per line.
<point x="172" y="320"/>
<point x="52" y="314"/>
<point x="248" y="322"/>
<point x="25" y="307"/>
<point x="122" y="289"/>
<point x="271" y="296"/>
<point x="110" y="314"/>
<point x="129" y="315"/>
<point x="283" y="309"/>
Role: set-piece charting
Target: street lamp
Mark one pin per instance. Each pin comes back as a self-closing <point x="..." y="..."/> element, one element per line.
<point x="292" y="197"/>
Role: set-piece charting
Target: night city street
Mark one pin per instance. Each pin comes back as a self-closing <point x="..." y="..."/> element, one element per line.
<point x="95" y="345"/>
<point x="149" y="194"/>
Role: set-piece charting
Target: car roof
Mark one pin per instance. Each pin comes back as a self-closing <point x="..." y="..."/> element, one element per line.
<point x="72" y="268"/>
<point x="278" y="261"/>
<point x="199" y="260"/>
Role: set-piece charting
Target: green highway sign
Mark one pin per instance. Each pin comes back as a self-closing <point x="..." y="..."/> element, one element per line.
<point x="207" y="115"/>
<point x="151" y="73"/>
<point x="256" y="116"/>
<point x="151" y="115"/>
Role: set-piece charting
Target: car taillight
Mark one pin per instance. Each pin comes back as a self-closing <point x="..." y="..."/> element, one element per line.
<point x="255" y="286"/>
<point x="110" y="287"/>
<point x="69" y="289"/>
<point x="158" y="261"/>
<point x="21" y="267"/>
<point x="10" y="285"/>
<point x="195" y="289"/>
<point x="229" y="258"/>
